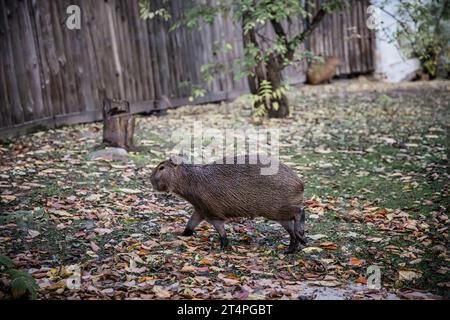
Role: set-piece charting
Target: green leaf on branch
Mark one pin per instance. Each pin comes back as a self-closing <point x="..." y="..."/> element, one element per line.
<point x="6" y="262"/>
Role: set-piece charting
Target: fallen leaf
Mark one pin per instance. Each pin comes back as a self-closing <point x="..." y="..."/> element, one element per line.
<point x="94" y="246"/>
<point x="409" y="275"/>
<point x="323" y="283"/>
<point x="8" y="198"/>
<point x="33" y="233"/>
<point x="361" y="280"/>
<point x="56" y="286"/>
<point x="312" y="249"/>
<point x="317" y="236"/>
<point x="93" y="197"/>
<point x="161" y="293"/>
<point x="103" y="231"/>
<point x="356" y="262"/>
<point x="206" y="261"/>
<point x="374" y="239"/>
<point x="188" y="268"/>
<point x="328" y="245"/>
<point x="128" y="191"/>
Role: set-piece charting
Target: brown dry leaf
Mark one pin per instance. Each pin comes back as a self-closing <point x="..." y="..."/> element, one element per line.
<point x="94" y="246"/>
<point x="409" y="275"/>
<point x="311" y="276"/>
<point x="229" y="280"/>
<point x="33" y="233"/>
<point x="103" y="231"/>
<point x="129" y="191"/>
<point x="418" y="295"/>
<point x="188" y="268"/>
<point x="161" y="293"/>
<point x="8" y="197"/>
<point x="323" y="283"/>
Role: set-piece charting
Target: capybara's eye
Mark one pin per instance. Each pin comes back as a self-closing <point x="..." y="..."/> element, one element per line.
<point x="161" y="168"/>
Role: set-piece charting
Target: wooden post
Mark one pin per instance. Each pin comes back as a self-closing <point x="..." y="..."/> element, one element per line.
<point x="118" y="124"/>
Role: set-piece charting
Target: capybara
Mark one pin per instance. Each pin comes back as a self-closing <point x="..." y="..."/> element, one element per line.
<point x="320" y="72"/>
<point x="236" y="188"/>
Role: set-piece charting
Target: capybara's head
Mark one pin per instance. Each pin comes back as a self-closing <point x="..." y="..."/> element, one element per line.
<point x="163" y="176"/>
<point x="334" y="61"/>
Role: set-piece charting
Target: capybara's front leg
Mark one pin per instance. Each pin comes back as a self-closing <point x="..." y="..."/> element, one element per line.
<point x="193" y="222"/>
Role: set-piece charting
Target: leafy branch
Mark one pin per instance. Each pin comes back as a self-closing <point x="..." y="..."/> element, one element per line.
<point x="22" y="283"/>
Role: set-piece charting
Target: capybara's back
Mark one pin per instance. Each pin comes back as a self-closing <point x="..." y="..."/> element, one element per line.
<point x="320" y="72"/>
<point x="241" y="190"/>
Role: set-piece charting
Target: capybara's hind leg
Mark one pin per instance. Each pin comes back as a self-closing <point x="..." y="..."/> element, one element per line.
<point x="300" y="218"/>
<point x="219" y="225"/>
<point x="289" y="225"/>
<point x="193" y="222"/>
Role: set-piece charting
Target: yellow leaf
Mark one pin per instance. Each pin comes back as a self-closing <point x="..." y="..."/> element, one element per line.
<point x="312" y="249"/>
<point x="56" y="286"/>
<point x="409" y="275"/>
<point x="188" y="268"/>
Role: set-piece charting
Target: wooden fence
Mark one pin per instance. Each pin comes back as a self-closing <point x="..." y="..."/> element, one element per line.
<point x="51" y="75"/>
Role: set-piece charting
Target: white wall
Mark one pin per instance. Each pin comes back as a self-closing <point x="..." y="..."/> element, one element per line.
<point x="390" y="64"/>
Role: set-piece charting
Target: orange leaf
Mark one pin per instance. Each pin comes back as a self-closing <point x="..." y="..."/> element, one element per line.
<point x="356" y="262"/>
<point x="328" y="245"/>
<point x="361" y="280"/>
<point x="206" y="261"/>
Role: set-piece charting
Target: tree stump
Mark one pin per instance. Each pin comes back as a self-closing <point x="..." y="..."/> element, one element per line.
<point x="118" y="124"/>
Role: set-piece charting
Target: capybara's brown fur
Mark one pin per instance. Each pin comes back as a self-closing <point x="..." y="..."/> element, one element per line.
<point x="219" y="192"/>
<point x="320" y="72"/>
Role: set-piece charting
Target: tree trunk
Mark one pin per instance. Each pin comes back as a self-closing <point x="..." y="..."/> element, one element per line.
<point x="118" y="124"/>
<point x="269" y="71"/>
<point x="273" y="71"/>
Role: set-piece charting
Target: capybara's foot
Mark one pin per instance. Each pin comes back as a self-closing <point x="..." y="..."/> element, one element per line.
<point x="226" y="248"/>
<point x="293" y="246"/>
<point x="225" y="244"/>
<point x="289" y="251"/>
<point x="302" y="240"/>
<point x="187" y="233"/>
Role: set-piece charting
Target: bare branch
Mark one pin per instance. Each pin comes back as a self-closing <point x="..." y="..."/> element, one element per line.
<point x="318" y="17"/>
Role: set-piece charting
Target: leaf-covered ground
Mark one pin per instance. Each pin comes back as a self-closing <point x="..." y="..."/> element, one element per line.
<point x="374" y="159"/>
